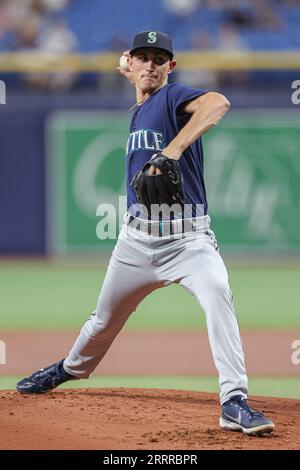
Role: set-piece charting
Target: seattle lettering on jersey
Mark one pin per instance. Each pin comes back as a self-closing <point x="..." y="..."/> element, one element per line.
<point x="145" y="139"/>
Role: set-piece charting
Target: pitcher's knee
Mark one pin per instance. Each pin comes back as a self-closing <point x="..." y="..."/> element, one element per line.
<point x="219" y="288"/>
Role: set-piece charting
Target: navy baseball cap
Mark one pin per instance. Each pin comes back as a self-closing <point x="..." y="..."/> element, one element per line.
<point x="153" y="39"/>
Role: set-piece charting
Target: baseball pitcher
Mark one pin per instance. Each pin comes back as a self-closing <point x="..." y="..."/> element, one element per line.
<point x="166" y="235"/>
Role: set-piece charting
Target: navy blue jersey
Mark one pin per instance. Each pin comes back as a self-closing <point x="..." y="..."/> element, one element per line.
<point x="154" y="125"/>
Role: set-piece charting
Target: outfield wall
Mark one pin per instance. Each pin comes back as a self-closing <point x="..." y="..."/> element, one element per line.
<point x="61" y="157"/>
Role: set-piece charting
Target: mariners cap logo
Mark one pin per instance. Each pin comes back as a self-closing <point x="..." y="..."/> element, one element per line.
<point x="152" y="38"/>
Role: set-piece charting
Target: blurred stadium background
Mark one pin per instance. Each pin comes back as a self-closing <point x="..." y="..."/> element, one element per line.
<point x="64" y="125"/>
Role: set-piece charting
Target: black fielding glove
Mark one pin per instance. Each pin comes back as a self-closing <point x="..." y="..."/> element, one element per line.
<point x="165" y="188"/>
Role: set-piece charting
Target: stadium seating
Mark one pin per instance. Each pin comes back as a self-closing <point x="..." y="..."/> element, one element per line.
<point x="97" y="25"/>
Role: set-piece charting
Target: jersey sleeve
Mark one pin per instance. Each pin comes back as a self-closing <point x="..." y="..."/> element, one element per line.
<point x="178" y="95"/>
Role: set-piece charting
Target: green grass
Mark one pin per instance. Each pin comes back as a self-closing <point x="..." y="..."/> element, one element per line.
<point x="273" y="387"/>
<point x="44" y="296"/>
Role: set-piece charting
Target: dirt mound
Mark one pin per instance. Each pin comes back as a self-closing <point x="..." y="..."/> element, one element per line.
<point x="133" y="419"/>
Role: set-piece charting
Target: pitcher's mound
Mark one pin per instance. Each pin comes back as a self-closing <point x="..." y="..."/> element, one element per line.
<point x="122" y="418"/>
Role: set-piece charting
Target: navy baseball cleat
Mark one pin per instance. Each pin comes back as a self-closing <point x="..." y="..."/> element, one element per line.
<point x="238" y="416"/>
<point x="44" y="379"/>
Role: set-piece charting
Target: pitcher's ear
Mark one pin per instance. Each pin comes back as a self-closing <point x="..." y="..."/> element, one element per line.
<point x="172" y="65"/>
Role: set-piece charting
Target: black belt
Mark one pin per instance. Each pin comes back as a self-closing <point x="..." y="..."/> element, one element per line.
<point x="164" y="227"/>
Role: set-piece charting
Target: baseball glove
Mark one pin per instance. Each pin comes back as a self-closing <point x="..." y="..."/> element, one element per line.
<point x="164" y="188"/>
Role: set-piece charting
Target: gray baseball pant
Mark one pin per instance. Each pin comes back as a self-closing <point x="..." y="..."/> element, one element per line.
<point x="141" y="263"/>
